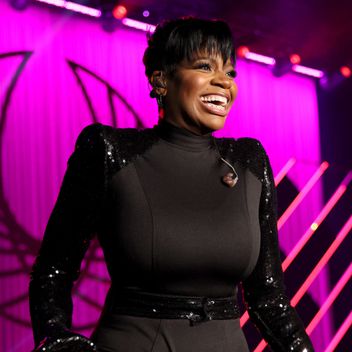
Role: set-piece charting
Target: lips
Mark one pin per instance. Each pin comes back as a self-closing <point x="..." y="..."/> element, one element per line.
<point x="215" y="103"/>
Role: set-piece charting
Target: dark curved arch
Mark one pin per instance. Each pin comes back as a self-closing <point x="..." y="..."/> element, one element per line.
<point x="110" y="91"/>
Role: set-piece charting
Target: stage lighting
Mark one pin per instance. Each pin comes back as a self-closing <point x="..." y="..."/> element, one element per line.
<point x="119" y="12"/>
<point x="332" y="80"/>
<point x="295" y="59"/>
<point x="242" y="51"/>
<point x="345" y="71"/>
<point x="108" y="20"/>
<point x="19" y="5"/>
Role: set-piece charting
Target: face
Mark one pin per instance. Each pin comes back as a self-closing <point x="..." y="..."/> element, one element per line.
<point x="200" y="94"/>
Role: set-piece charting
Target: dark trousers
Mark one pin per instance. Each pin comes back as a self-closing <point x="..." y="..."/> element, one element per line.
<point x="124" y="333"/>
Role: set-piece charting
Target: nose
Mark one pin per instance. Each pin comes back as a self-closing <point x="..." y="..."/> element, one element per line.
<point x="220" y="79"/>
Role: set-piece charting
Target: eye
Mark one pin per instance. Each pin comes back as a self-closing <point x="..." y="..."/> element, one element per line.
<point x="204" y="66"/>
<point x="232" y="74"/>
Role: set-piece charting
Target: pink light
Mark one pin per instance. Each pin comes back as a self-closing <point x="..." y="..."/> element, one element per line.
<point x="309" y="185"/>
<point x="308" y="71"/>
<point x="58" y="3"/>
<point x="345" y="71"/>
<point x="244" y="318"/>
<point x="292" y="255"/>
<point x="261" y="346"/>
<point x="260" y="58"/>
<point x="138" y="25"/>
<point x="331" y="298"/>
<point x="295" y="59"/>
<point x="319" y="219"/>
<point x="340" y="333"/>
<point x="119" y="12"/>
<point x="242" y="51"/>
<point x="328" y="254"/>
<point x="68" y="5"/>
<point x="284" y="171"/>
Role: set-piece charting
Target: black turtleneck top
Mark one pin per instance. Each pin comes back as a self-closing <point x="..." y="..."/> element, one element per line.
<point x="173" y="226"/>
<point x="167" y="224"/>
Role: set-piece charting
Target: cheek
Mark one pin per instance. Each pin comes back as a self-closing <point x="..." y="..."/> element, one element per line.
<point x="194" y="84"/>
<point x="234" y="91"/>
<point x="190" y="91"/>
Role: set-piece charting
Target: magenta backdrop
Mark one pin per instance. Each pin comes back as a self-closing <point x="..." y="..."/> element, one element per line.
<point x="60" y="72"/>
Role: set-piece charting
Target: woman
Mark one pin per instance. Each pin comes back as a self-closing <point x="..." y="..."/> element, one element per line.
<point x="182" y="218"/>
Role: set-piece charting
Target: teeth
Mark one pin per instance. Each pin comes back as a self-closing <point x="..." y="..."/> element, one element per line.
<point x="217" y="107"/>
<point x="215" y="98"/>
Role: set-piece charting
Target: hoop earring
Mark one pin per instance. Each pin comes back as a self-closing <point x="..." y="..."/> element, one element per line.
<point x="160" y="101"/>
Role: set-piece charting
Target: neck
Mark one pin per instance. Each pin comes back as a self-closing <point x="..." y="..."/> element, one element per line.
<point x="183" y="137"/>
<point x="190" y="126"/>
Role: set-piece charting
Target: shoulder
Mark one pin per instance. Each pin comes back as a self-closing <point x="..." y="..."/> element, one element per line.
<point x="243" y="149"/>
<point x="248" y="152"/>
<point x="98" y="133"/>
<point x="119" y="145"/>
<point x="90" y="136"/>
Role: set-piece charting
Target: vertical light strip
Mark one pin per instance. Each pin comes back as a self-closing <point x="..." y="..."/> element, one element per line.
<point x="284" y="171"/>
<point x="340" y="333"/>
<point x="309" y="185"/>
<point x="331" y="298"/>
<point x="319" y="219"/>
<point x="292" y="255"/>
<point x="328" y="254"/>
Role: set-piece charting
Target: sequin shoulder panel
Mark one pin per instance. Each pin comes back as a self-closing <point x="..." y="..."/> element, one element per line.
<point x="123" y="145"/>
<point x="264" y="291"/>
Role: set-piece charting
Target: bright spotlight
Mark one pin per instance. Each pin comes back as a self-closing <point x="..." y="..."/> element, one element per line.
<point x="119" y="12"/>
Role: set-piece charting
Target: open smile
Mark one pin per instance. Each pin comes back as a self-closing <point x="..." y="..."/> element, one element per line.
<point x="215" y="103"/>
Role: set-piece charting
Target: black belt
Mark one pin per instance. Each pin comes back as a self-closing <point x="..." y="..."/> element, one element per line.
<point x="196" y="309"/>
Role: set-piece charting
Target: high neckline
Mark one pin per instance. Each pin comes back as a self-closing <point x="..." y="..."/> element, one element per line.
<point x="182" y="137"/>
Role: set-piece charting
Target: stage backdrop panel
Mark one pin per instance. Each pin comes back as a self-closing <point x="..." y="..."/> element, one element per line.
<point x="58" y="73"/>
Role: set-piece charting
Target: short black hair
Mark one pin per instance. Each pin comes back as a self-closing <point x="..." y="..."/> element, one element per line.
<point x="182" y="38"/>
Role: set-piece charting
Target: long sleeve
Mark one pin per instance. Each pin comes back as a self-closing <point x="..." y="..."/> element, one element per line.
<point x="264" y="292"/>
<point x="72" y="223"/>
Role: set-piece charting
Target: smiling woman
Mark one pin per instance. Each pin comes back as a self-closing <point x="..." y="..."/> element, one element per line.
<point x="182" y="217"/>
<point x="190" y="65"/>
<point x="200" y="93"/>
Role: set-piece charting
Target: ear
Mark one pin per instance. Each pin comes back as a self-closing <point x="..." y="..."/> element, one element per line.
<point x="158" y="82"/>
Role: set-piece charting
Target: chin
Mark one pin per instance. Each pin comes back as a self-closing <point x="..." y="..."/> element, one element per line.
<point x="216" y="123"/>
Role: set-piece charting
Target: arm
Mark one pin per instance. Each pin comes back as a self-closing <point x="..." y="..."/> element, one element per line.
<point x="72" y="223"/>
<point x="264" y="291"/>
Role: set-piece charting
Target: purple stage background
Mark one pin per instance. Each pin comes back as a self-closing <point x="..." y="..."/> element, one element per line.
<point x="60" y="72"/>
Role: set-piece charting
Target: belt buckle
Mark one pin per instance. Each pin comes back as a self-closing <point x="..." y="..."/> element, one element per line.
<point x="206" y="313"/>
<point x="207" y="302"/>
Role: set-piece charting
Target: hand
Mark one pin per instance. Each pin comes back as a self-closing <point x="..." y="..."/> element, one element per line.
<point x="66" y="342"/>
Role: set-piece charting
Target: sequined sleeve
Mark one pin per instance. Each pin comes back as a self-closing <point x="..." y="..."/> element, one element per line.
<point x="72" y="223"/>
<point x="264" y="292"/>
